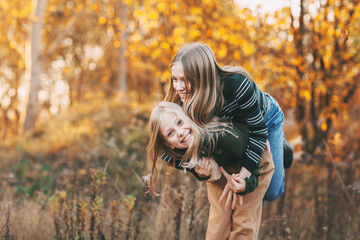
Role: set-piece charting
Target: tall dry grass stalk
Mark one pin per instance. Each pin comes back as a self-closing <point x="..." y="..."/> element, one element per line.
<point x="81" y="214"/>
<point x="113" y="226"/>
<point x="8" y="223"/>
<point x="129" y="203"/>
<point x="98" y="179"/>
<point x="140" y="211"/>
<point x="178" y="217"/>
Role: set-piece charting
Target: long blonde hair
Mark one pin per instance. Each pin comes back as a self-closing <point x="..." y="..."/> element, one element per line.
<point x="205" y="76"/>
<point x="202" y="138"/>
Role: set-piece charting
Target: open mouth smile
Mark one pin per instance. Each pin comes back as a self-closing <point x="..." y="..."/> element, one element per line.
<point x="182" y="95"/>
<point x="186" y="138"/>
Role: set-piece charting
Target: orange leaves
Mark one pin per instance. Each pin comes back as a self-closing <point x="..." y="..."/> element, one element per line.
<point x="236" y="55"/>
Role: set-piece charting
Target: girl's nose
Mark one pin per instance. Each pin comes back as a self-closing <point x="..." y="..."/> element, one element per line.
<point x="180" y="133"/>
<point x="179" y="85"/>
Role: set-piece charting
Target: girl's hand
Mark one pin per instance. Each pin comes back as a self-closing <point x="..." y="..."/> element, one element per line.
<point x="215" y="173"/>
<point x="228" y="193"/>
<point x="237" y="183"/>
<point x="203" y="167"/>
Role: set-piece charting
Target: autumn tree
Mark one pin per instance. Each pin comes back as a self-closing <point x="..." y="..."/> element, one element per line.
<point x="316" y="60"/>
<point x="13" y="28"/>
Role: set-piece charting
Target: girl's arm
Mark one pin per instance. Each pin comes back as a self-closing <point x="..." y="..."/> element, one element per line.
<point x="208" y="167"/>
<point x="170" y="163"/>
<point x="244" y="173"/>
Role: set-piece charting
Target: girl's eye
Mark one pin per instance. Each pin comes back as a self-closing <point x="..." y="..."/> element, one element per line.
<point x="170" y="133"/>
<point x="179" y="122"/>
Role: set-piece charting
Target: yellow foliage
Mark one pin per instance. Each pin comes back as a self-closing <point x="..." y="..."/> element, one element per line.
<point x="153" y="16"/>
<point x="161" y="6"/>
<point x="296" y="61"/>
<point x="62" y="195"/>
<point x="236" y="55"/>
<point x="335" y="98"/>
<point x="12" y="45"/>
<point x="105" y="79"/>
<point x="165" y="45"/>
<point x="117" y="21"/>
<point x="116" y="44"/>
<point x="138" y="13"/>
<point x="195" y="11"/>
<point x="326" y="61"/>
<point x="248" y="49"/>
<point x="155" y="53"/>
<point x="223" y="51"/>
<point x="306" y="94"/>
<point x="173" y="6"/>
<point x="129" y="202"/>
<point x="94" y="7"/>
<point x="132" y="47"/>
<point x="79" y="7"/>
<point x="194" y="33"/>
<point x="102" y="20"/>
<point x="165" y="77"/>
<point x="88" y="95"/>
<point x="323" y="126"/>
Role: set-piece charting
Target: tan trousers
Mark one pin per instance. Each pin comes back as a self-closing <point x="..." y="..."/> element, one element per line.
<point x="244" y="221"/>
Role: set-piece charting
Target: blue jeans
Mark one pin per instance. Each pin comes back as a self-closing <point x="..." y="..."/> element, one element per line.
<point x="274" y="119"/>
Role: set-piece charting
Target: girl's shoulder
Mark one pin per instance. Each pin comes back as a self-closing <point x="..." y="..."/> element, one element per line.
<point x="232" y="83"/>
<point x="239" y="132"/>
<point x="236" y="78"/>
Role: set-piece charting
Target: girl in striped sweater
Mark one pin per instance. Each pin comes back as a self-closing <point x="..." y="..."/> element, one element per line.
<point x="205" y="89"/>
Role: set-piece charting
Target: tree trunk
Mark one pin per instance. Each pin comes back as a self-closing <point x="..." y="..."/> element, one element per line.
<point x="122" y="77"/>
<point x="35" y="64"/>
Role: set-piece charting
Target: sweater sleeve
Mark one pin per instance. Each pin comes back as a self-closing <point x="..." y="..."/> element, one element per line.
<point x="251" y="184"/>
<point x="245" y="107"/>
<point x="177" y="165"/>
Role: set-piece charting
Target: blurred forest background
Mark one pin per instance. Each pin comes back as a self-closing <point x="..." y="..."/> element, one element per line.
<point x="78" y="79"/>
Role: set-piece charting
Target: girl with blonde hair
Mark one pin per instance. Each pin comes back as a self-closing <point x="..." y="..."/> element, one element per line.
<point x="205" y="89"/>
<point x="200" y="150"/>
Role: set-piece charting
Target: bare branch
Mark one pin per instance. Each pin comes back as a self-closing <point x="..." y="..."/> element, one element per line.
<point x="54" y="44"/>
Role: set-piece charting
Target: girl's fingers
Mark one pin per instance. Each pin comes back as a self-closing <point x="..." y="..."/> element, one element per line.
<point x="241" y="200"/>
<point x="228" y="200"/>
<point x="228" y="177"/>
<point x="234" y="201"/>
<point x="208" y="166"/>
<point x="234" y="184"/>
<point x="224" y="194"/>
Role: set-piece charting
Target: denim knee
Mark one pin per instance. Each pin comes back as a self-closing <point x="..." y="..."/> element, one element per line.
<point x="273" y="194"/>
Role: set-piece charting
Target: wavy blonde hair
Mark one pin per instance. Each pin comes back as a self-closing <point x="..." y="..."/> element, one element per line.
<point x="205" y="76"/>
<point x="203" y="138"/>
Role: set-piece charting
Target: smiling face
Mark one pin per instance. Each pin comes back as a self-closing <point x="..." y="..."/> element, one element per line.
<point x="176" y="132"/>
<point x="181" y="86"/>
